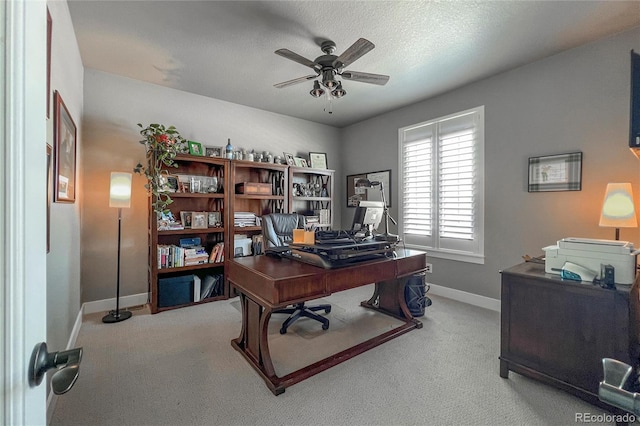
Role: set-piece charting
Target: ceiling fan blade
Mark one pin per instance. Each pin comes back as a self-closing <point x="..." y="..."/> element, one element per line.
<point x="355" y="51"/>
<point x="366" y="77"/>
<point x="295" y="81"/>
<point x="286" y="53"/>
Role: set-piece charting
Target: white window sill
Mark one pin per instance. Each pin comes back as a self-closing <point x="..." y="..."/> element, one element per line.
<point x="450" y="254"/>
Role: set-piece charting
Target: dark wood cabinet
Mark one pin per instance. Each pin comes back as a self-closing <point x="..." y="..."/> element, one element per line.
<point x="634" y="114"/>
<point x="558" y="331"/>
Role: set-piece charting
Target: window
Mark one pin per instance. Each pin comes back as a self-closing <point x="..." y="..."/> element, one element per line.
<point x="442" y="186"/>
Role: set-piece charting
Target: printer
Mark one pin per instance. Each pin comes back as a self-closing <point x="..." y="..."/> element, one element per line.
<point x="593" y="255"/>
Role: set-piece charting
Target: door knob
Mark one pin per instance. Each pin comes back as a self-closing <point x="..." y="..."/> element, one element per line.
<point x="67" y="363"/>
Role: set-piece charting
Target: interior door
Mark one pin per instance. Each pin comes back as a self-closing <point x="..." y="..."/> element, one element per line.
<point x="23" y="131"/>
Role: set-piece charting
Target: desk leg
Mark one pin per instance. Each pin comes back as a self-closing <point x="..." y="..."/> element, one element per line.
<point x="388" y="298"/>
<point x="253" y="342"/>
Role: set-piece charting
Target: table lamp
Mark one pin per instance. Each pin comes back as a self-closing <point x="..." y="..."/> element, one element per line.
<point x="120" y="197"/>
<point x="618" y="209"/>
<point x="386" y="236"/>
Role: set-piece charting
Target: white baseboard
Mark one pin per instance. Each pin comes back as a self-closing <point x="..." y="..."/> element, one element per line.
<point x="110" y="304"/>
<point x="464" y="297"/>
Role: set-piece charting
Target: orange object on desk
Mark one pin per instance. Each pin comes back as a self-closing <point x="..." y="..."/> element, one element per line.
<point x="300" y="236"/>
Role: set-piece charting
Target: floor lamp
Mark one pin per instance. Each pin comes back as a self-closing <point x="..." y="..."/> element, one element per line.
<point x="618" y="209"/>
<point x="120" y="197"/>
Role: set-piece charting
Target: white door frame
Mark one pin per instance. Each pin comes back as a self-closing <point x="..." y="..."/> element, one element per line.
<point x="23" y="137"/>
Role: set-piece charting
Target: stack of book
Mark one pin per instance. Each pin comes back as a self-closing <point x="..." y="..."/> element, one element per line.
<point x="195" y="255"/>
<point x="242" y="219"/>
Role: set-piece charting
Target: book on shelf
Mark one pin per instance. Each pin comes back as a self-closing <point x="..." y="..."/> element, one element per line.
<point x="217" y="253"/>
<point x="242" y="219"/>
<point x="211" y="286"/>
<point x="172" y="256"/>
<point x="197" y="286"/>
<point x="324" y="216"/>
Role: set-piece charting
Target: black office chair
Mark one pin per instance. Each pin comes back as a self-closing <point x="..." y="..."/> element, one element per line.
<point x="277" y="231"/>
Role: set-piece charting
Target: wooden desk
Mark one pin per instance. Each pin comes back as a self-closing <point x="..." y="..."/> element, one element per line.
<point x="267" y="283"/>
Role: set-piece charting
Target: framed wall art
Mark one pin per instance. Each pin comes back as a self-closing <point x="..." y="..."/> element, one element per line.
<point x="355" y="194"/>
<point x="64" y="151"/>
<point x="562" y="172"/>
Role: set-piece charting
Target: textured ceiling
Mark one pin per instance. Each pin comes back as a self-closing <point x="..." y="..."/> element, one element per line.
<point x="225" y="49"/>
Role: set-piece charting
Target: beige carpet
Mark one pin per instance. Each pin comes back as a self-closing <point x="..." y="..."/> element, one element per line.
<point x="178" y="368"/>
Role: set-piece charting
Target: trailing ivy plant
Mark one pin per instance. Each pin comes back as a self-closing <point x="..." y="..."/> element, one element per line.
<point x="162" y="145"/>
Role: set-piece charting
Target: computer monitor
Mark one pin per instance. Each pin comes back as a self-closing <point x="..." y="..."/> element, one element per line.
<point x="367" y="216"/>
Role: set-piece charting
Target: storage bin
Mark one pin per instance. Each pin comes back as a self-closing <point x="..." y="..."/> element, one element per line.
<point x="175" y="291"/>
<point x="253" y="188"/>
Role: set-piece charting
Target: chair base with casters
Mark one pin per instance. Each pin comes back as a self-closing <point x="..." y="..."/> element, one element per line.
<point x="300" y="310"/>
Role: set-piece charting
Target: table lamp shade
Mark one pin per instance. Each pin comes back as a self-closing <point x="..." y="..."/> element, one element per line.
<point x="618" y="209"/>
<point x="120" y="190"/>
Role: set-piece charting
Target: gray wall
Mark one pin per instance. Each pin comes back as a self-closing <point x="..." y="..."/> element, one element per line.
<point x="112" y="108"/>
<point x="574" y="101"/>
<point x="63" y="261"/>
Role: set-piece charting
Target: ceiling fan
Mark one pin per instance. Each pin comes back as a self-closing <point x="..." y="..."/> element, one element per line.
<point x="330" y="66"/>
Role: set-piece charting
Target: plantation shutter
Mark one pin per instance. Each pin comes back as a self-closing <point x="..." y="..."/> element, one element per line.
<point x="442" y="164"/>
<point x="456" y="185"/>
<point x="417" y="184"/>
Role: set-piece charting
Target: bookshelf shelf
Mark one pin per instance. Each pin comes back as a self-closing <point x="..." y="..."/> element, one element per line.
<point x="173" y="270"/>
<point x="190" y="231"/>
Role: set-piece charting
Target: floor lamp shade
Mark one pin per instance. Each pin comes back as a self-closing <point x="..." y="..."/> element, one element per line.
<point x="618" y="210"/>
<point x="120" y="190"/>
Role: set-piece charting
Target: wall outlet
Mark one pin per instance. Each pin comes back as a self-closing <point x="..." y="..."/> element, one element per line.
<point x="429" y="268"/>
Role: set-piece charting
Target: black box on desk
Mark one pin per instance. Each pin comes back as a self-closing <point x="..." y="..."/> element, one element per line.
<point x="175" y="291"/>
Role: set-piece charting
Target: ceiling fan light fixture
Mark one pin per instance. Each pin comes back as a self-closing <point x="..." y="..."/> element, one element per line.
<point x="339" y="91"/>
<point x="328" y="79"/>
<point x="317" y="91"/>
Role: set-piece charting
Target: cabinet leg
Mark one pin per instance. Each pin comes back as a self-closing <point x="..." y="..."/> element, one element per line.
<point x="504" y="369"/>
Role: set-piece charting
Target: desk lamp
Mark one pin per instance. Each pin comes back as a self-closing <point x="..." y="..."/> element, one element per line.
<point x="119" y="196"/>
<point x="386" y="236"/>
<point x="617" y="208"/>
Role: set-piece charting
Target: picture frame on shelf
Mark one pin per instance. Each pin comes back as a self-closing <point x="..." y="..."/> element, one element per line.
<point x="300" y="162"/>
<point x="289" y="158"/>
<point x="199" y="220"/>
<point x="64" y="151"/>
<point x="173" y="183"/>
<point x="213" y="151"/>
<point x="318" y="160"/>
<point x="195" y="148"/>
<point x="186" y="219"/>
<point x="214" y="219"/>
<point x="561" y="172"/>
